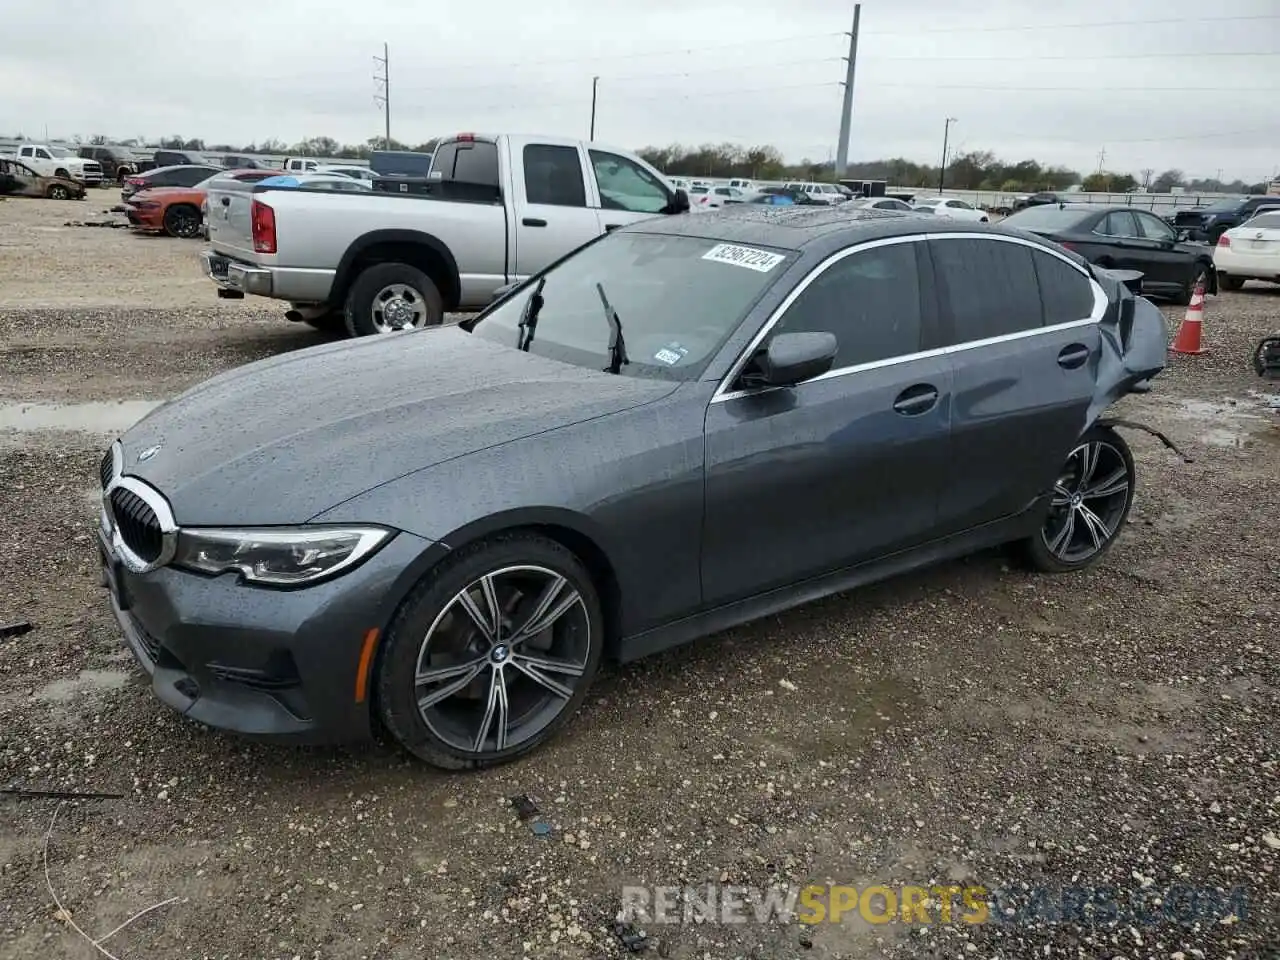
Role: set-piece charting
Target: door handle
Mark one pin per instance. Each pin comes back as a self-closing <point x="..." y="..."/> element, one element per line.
<point x="1073" y="355"/>
<point x="609" y="227"/>
<point x="533" y="222"/>
<point x="916" y="400"/>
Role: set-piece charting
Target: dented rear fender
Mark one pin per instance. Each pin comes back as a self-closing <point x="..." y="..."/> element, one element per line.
<point x="1134" y="344"/>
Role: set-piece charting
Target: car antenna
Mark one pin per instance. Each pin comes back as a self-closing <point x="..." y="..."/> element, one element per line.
<point x="529" y="316"/>
<point x="617" y="345"/>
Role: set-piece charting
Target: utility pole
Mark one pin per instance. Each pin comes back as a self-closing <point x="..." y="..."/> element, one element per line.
<point x="595" y="82"/>
<point x="942" y="171"/>
<point x="384" y="99"/>
<point x="846" y="111"/>
<point x="1102" y="158"/>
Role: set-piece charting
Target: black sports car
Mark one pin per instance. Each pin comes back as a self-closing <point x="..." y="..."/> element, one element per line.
<point x="1122" y="238"/>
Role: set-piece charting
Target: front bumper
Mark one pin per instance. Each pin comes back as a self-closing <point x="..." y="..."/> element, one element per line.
<point x="148" y="219"/>
<point x="271" y="664"/>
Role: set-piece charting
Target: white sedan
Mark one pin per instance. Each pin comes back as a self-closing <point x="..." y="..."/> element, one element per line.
<point x="953" y="208"/>
<point x="1250" y="251"/>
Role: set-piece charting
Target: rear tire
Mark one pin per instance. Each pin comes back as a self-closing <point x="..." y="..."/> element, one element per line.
<point x="442" y="651"/>
<point x="1201" y="275"/>
<point x="392" y="296"/>
<point x="182" y="221"/>
<point x="1089" y="504"/>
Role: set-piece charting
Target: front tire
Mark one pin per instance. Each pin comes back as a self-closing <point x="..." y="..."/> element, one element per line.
<point x="1089" y="504"/>
<point x="59" y="192"/>
<point x="491" y="653"/>
<point x="389" y="297"/>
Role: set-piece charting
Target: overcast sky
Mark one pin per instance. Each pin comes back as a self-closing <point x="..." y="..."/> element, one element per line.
<point x="1173" y="85"/>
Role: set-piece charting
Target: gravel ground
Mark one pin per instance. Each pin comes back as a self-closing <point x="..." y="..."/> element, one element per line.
<point x="972" y="724"/>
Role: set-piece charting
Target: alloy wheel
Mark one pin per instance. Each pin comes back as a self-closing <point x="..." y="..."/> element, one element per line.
<point x="184" y="224"/>
<point x="398" y="306"/>
<point x="1088" y="502"/>
<point x="503" y="659"/>
<point x="59" y="192"/>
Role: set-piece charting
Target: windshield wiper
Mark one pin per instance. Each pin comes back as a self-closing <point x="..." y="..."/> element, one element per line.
<point x="617" y="346"/>
<point x="529" y="317"/>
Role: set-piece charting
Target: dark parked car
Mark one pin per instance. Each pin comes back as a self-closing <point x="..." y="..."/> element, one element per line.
<point x="686" y="424"/>
<point x="1207" y="224"/>
<point x="1036" y="200"/>
<point x="178" y="158"/>
<point x="1125" y="239"/>
<point x="183" y="176"/>
<point x="118" y="163"/>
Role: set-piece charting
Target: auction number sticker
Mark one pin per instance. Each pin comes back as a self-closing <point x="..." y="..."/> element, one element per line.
<point x="761" y="261"/>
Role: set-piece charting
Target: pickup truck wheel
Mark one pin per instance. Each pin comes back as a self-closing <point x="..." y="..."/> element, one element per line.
<point x="182" y="220"/>
<point x="392" y="296"/>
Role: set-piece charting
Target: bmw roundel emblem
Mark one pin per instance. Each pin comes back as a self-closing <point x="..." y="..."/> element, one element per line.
<point x="148" y="453"/>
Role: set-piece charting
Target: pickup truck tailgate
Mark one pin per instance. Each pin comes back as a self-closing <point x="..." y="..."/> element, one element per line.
<point x="228" y="217"/>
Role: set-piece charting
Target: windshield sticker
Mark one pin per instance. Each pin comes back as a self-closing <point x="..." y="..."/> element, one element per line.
<point x="671" y="354"/>
<point x="761" y="261"/>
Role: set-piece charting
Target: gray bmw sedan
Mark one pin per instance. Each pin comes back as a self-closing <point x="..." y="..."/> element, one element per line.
<point x="689" y="423"/>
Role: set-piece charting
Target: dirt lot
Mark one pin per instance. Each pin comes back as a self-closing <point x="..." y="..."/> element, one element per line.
<point x="974" y="724"/>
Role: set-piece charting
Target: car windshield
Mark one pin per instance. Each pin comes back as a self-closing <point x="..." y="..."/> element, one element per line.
<point x="678" y="300"/>
<point x="1229" y="205"/>
<point x="1047" y="217"/>
<point x="1270" y="221"/>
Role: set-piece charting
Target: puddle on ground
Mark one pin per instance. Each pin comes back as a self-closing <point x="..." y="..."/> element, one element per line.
<point x="94" y="417"/>
<point x="1233" y="421"/>
<point x="89" y="682"/>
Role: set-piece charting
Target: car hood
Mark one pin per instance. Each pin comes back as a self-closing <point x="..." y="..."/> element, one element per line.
<point x="282" y="440"/>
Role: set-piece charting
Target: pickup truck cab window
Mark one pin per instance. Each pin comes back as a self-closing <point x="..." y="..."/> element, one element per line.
<point x="468" y="161"/>
<point x="677" y="305"/>
<point x="625" y="185"/>
<point x="553" y="175"/>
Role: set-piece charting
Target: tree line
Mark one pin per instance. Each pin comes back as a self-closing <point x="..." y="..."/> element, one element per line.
<point x="973" y="170"/>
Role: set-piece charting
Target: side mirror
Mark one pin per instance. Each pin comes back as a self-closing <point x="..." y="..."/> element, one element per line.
<point x="680" y="202"/>
<point x="790" y="358"/>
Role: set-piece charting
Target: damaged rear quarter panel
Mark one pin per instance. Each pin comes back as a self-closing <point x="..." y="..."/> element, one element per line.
<point x="1134" y="343"/>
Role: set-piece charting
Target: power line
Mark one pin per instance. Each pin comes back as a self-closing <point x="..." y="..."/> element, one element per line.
<point x="669" y="52"/>
<point x="606" y="78"/>
<point x="1072" y="26"/>
<point x="1111" y="88"/>
<point x="1102" y="56"/>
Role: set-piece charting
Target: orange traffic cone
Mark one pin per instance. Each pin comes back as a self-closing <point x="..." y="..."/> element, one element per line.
<point x="1187" y="339"/>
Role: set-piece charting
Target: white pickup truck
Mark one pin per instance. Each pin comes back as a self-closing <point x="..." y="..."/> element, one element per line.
<point x="58" y="162"/>
<point x="492" y="211"/>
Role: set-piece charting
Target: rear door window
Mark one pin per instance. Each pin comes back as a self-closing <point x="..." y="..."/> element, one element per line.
<point x="1067" y="295"/>
<point x="988" y="287"/>
<point x="553" y="175"/>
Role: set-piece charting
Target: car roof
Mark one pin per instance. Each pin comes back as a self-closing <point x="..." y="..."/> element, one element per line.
<point x="796" y="226"/>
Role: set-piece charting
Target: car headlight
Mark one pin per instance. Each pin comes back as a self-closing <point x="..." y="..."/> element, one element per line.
<point x="278" y="556"/>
